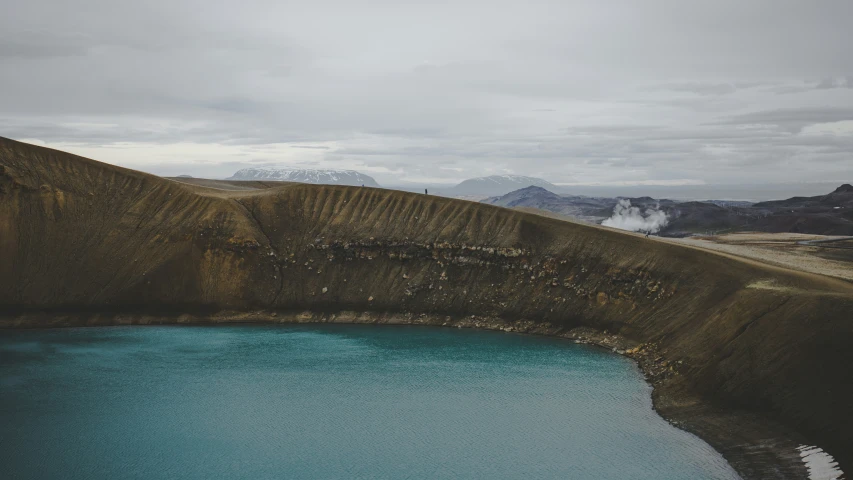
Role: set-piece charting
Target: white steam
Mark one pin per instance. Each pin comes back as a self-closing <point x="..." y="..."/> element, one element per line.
<point x="626" y="217"/>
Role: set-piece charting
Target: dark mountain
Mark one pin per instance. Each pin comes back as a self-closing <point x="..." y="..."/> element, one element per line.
<point x="590" y="209"/>
<point x="840" y="197"/>
<point x="683" y="217"/>
<point x="830" y="214"/>
<point x="495" y="185"/>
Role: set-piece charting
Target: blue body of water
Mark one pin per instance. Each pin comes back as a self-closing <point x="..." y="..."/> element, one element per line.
<point x="329" y="402"/>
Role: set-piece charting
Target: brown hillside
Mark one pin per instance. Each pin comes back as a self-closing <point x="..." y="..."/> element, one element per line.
<point x="82" y="238"/>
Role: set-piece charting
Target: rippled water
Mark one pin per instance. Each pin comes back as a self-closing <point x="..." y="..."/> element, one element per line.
<point x="326" y="402"/>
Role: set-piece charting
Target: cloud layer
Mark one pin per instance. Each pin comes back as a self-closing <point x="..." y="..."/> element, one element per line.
<point x="592" y="91"/>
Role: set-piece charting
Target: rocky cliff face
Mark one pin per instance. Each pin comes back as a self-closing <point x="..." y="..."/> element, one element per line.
<point x="89" y="240"/>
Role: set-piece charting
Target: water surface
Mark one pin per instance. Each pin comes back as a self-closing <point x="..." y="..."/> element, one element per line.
<point x="327" y="402"/>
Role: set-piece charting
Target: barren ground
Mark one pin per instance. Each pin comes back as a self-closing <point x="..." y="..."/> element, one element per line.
<point x="823" y="255"/>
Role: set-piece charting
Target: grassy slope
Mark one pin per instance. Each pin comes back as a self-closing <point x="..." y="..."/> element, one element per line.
<point x="79" y="235"/>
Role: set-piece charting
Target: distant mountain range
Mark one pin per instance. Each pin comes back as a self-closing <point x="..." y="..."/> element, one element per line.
<point x="841" y="197"/>
<point x="304" y="175"/>
<point x="590" y="209"/>
<point x="830" y="214"/>
<point x="495" y="185"/>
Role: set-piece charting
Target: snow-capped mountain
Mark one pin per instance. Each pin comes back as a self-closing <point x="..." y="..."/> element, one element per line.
<point x="498" y="185"/>
<point x="305" y="175"/>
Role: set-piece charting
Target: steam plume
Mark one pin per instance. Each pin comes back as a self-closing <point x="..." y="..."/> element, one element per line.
<point x="627" y="217"/>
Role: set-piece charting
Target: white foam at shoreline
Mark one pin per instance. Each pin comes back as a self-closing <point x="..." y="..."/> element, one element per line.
<point x="820" y="464"/>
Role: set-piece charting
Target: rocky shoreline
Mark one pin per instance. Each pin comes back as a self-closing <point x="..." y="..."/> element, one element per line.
<point x="756" y="447"/>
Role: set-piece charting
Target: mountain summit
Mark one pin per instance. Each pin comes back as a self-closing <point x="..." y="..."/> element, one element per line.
<point x="524" y="195"/>
<point x="304" y="175"/>
<point x="846" y="188"/>
<point x="498" y="185"/>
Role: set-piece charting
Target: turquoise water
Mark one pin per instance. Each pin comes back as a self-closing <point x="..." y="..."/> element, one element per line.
<point x="328" y="402"/>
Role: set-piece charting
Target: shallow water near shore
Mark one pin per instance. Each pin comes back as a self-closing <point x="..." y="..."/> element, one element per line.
<point x="330" y="401"/>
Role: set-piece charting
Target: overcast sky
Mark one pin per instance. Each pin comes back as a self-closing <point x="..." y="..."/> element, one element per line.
<point x="572" y="91"/>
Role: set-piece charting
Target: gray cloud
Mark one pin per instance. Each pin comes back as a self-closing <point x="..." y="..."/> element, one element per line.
<point x="420" y="91"/>
<point x="36" y="44"/>
<point x="791" y="119"/>
<point x="828" y="83"/>
<point x="700" y="88"/>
